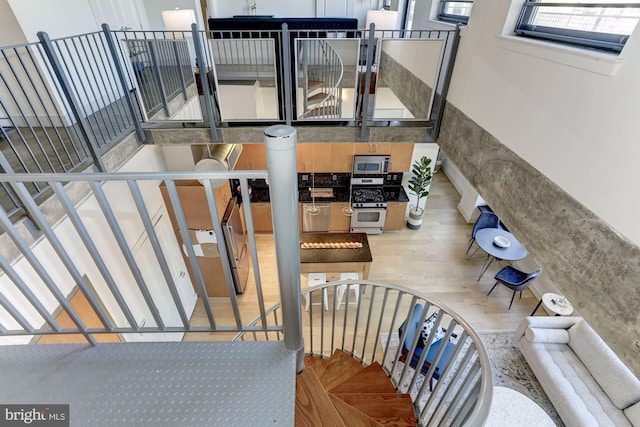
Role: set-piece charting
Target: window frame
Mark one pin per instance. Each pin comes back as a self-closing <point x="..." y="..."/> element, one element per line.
<point x="454" y="19"/>
<point x="587" y="39"/>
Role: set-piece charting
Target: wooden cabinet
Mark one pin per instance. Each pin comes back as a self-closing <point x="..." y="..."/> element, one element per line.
<point x="373" y="148"/>
<point x="342" y="157"/>
<point x="315" y="158"/>
<point x="395" y="216"/>
<point x="253" y="157"/>
<point x="261" y="214"/>
<point x="401" y="154"/>
<point x="339" y="222"/>
<point x="195" y="206"/>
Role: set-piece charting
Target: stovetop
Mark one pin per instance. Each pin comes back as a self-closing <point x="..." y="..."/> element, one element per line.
<point x="368" y="197"/>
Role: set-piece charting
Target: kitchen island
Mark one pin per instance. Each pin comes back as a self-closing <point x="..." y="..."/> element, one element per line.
<point x="336" y="260"/>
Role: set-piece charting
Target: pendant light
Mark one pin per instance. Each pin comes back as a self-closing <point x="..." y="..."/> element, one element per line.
<point x="313" y="209"/>
<point x="348" y="210"/>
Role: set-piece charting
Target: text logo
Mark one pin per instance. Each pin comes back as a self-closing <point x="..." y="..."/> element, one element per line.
<point x="34" y="415"/>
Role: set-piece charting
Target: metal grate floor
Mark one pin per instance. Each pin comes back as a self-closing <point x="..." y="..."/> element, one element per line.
<point x="155" y="384"/>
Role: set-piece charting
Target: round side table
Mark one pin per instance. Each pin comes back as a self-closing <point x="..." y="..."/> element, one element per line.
<point x="556" y="304"/>
<point x="510" y="408"/>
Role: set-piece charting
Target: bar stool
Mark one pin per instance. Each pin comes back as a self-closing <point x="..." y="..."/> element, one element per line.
<point x="343" y="288"/>
<point x="317" y="279"/>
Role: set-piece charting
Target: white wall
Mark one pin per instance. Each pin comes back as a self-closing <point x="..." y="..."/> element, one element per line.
<point x="431" y="151"/>
<point x="58" y="18"/>
<point x="11" y="32"/>
<point x="154" y="10"/>
<point x="148" y="158"/>
<point x="577" y="127"/>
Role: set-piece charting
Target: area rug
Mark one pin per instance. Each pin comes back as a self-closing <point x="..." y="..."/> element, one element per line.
<point x="510" y="369"/>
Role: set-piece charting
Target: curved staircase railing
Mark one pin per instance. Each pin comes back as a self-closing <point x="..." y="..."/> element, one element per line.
<point x="321" y="72"/>
<point x="368" y="329"/>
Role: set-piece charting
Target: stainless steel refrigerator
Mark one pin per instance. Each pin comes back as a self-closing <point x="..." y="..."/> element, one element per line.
<point x="235" y="238"/>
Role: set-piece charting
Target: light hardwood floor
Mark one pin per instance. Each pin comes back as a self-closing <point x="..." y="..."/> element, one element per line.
<point x="431" y="260"/>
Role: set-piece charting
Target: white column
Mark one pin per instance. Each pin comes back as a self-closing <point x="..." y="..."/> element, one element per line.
<point x="280" y="142"/>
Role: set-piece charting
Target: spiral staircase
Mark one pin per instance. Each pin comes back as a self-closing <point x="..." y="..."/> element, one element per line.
<point x="340" y="391"/>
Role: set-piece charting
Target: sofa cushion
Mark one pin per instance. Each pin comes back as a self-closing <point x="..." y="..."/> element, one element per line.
<point x="578" y="398"/>
<point x="633" y="413"/>
<point x="558" y="336"/>
<point x="622" y="387"/>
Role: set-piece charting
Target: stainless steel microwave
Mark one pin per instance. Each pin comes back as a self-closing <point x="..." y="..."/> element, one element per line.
<point x="370" y="165"/>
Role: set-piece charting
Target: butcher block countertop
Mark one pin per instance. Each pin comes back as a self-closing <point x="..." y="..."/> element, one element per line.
<point x="335" y="255"/>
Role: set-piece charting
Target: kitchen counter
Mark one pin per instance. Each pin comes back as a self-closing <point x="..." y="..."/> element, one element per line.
<point x="356" y="260"/>
<point x="341" y="194"/>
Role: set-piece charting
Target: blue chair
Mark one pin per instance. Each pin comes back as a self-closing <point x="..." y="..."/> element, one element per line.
<point x="416" y="328"/>
<point x="515" y="279"/>
<point x="485" y="220"/>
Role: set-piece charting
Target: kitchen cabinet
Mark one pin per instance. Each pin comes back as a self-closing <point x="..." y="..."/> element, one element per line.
<point x="261" y="214"/>
<point x="314" y="158"/>
<point x="342" y="157"/>
<point x="194" y="203"/>
<point x="253" y="157"/>
<point x="395" y="216"/>
<point x="401" y="154"/>
<point x="373" y="148"/>
<point x="339" y="222"/>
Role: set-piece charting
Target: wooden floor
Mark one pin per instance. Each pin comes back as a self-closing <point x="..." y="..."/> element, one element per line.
<point x="431" y="260"/>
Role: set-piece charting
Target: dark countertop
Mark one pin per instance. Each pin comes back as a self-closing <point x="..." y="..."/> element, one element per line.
<point x="362" y="254"/>
<point x="341" y="194"/>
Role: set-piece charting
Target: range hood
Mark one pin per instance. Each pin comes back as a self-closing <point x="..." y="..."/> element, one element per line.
<point x="219" y="157"/>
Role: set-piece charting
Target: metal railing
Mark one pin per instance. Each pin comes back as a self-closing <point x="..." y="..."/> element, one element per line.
<point x="96" y="250"/>
<point x="368" y="329"/>
<point x="319" y="62"/>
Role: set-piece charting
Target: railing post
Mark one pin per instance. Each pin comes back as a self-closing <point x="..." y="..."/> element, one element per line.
<point x="364" y="113"/>
<point x="204" y="81"/>
<point x="435" y="131"/>
<point x="159" y="80"/>
<point x="286" y="63"/>
<point x="180" y="71"/>
<point x="280" y="141"/>
<point x="74" y="104"/>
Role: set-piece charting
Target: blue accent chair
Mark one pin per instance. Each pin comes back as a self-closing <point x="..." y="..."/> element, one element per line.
<point x="416" y="328"/>
<point x="515" y="279"/>
<point x="485" y="220"/>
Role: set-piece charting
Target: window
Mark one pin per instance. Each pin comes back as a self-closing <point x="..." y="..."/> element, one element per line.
<point x="455" y="11"/>
<point x="601" y="25"/>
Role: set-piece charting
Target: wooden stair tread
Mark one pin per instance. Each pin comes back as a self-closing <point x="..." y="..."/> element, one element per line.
<point x="313" y="405"/>
<point x="320" y="96"/>
<point x="351" y="415"/>
<point x="318" y="364"/>
<point x="372" y="379"/>
<point x="313" y="85"/>
<point x="389" y="409"/>
<point x="340" y="367"/>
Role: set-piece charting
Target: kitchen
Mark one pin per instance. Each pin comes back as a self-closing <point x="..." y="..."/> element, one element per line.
<point x="327" y="195"/>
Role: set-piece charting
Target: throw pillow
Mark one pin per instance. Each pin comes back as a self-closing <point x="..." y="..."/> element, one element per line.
<point x="428" y="325"/>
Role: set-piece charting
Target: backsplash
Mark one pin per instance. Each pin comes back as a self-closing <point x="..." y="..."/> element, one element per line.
<point x="324" y="180"/>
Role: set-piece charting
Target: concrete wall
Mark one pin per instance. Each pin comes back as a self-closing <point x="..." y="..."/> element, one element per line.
<point x="547" y="135"/>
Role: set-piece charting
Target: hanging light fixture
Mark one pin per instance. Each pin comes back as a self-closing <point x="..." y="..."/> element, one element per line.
<point x="313" y="209"/>
<point x="348" y="210"/>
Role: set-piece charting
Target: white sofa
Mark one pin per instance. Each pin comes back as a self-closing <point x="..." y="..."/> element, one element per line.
<point x="584" y="379"/>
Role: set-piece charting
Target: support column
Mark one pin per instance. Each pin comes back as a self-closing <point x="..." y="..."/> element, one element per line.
<point x="280" y="142"/>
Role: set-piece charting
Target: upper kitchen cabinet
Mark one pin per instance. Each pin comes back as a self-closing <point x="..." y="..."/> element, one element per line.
<point x="195" y="207"/>
<point x="253" y="157"/>
<point x="315" y="158"/>
<point x="373" y="148"/>
<point x="342" y="157"/>
<point x="401" y="154"/>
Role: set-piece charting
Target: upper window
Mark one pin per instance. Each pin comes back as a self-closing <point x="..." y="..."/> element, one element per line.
<point x="600" y="24"/>
<point x="455" y="11"/>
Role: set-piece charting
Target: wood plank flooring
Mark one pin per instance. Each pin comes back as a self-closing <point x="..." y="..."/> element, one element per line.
<point x="431" y="260"/>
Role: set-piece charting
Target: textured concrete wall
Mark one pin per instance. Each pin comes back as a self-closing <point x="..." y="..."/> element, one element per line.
<point x="587" y="260"/>
<point x="412" y="92"/>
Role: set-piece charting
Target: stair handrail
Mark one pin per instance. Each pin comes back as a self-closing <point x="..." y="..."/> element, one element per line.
<point x="336" y="67"/>
<point x="464" y="392"/>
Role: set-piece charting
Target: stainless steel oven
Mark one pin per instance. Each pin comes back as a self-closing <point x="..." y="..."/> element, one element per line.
<point x="368" y="220"/>
<point x="370" y="165"/>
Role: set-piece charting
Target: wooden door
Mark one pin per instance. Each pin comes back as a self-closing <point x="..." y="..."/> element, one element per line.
<point x="395" y="216"/>
<point x="401" y="155"/>
<point x="339" y="222"/>
<point x="86" y="314"/>
<point x="342" y="157"/>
